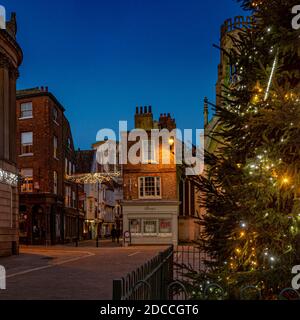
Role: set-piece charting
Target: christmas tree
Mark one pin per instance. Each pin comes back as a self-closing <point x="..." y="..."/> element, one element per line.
<point x="251" y="187"/>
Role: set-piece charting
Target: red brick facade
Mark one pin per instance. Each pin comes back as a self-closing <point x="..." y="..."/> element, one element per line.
<point x="48" y="211"/>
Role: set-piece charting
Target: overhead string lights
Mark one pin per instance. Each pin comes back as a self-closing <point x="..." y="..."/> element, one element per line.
<point x="92" y="178"/>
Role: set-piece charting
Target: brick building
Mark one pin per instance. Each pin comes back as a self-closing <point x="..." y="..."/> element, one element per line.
<point x="51" y="208"/>
<point x="10" y="59"/>
<point x="151" y="199"/>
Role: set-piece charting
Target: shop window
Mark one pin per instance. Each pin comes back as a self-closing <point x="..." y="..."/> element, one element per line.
<point x="135" y="226"/>
<point x="150" y="227"/>
<point x="165" y="226"/>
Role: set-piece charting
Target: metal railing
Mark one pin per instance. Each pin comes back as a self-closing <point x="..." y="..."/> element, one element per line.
<point x="188" y="258"/>
<point x="148" y="282"/>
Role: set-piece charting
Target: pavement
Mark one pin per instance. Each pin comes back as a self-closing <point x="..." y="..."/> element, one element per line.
<point x="71" y="273"/>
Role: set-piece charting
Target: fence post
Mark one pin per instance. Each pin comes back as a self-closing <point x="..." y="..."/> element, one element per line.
<point x="117" y="290"/>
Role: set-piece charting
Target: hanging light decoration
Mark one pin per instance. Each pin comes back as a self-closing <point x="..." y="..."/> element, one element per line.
<point x="92" y="178"/>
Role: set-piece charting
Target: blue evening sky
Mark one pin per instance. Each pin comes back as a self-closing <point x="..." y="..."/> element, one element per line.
<point x="102" y="58"/>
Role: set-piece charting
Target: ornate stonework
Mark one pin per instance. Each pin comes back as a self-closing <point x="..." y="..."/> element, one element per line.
<point x="10" y="59"/>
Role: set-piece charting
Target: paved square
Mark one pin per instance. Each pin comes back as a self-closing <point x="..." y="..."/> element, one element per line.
<point x="69" y="273"/>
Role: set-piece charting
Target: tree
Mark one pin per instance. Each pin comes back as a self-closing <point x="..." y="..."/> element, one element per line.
<point x="251" y="186"/>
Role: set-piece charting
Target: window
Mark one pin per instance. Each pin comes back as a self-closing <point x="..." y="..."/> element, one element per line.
<point x="66" y="166"/>
<point x="27" y="180"/>
<point x="55" y="144"/>
<point x="55" y="115"/>
<point x="70" y="168"/>
<point x="150" y="227"/>
<point x="26" y="110"/>
<point x="148" y="152"/>
<point x="73" y="199"/>
<point x="150" y="187"/>
<point x="74" y="169"/>
<point x="68" y="196"/>
<point x="135" y="226"/>
<point x="55" y="183"/>
<point x="165" y="226"/>
<point x="69" y="143"/>
<point x="26" y="142"/>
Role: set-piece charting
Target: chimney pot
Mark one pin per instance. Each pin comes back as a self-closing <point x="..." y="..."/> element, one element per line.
<point x="145" y="109"/>
<point x="42" y="88"/>
<point x="150" y="109"/>
<point x="46" y="89"/>
<point x="141" y="110"/>
<point x="137" y="110"/>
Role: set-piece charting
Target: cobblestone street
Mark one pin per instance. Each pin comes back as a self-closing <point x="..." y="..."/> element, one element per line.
<point x="69" y="273"/>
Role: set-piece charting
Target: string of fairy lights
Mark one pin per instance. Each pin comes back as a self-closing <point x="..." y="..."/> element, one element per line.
<point x="244" y="251"/>
<point x="9" y="178"/>
<point x="92" y="178"/>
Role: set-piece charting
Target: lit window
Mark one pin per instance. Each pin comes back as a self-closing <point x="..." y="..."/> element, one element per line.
<point x="55" y="182"/>
<point x="165" y="226"/>
<point x="55" y="145"/>
<point x="135" y="226"/>
<point x="26" y="142"/>
<point x="149" y="152"/>
<point x="27" y="180"/>
<point x="26" y="110"/>
<point x="150" y="187"/>
<point x="150" y="227"/>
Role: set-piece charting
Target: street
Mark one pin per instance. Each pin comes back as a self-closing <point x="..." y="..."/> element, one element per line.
<point x="70" y="273"/>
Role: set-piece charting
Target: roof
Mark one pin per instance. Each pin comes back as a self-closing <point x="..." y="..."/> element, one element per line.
<point x="38" y="92"/>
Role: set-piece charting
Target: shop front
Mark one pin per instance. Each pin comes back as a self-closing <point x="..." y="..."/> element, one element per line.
<point x="151" y="222"/>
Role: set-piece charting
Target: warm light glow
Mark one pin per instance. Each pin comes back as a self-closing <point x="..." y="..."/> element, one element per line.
<point x="285" y="180"/>
<point x="171" y="141"/>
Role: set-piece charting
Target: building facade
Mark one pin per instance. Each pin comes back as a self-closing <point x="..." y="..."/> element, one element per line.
<point x="51" y="207"/>
<point x="151" y="199"/>
<point x="103" y="209"/>
<point x="10" y="59"/>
